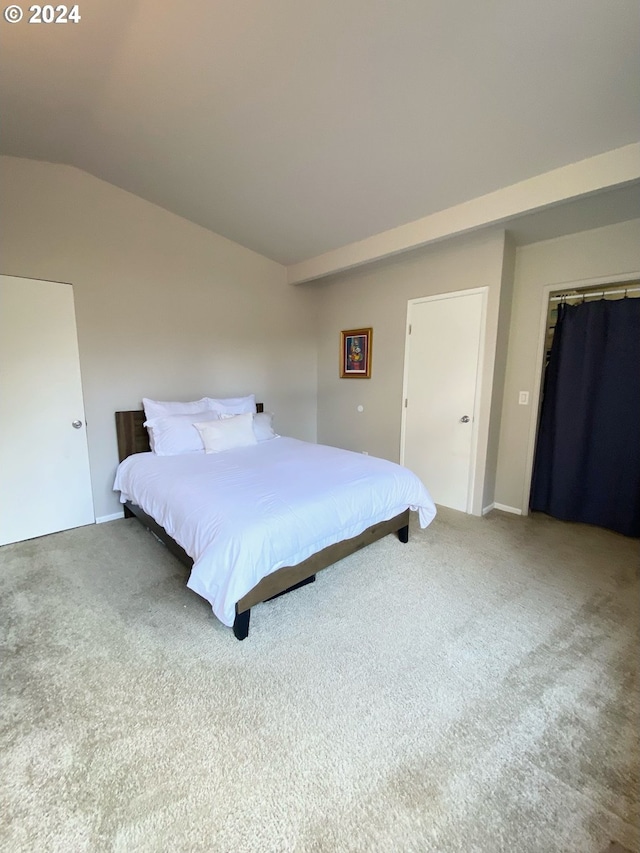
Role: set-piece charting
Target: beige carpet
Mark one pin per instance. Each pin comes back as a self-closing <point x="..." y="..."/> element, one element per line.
<point x="474" y="690"/>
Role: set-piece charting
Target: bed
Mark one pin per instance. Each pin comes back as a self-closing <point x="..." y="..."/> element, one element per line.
<point x="197" y="502"/>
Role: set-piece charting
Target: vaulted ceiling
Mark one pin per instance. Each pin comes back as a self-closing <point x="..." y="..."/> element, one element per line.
<point x="295" y="127"/>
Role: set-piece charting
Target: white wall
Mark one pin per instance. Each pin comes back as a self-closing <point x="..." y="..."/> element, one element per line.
<point x="603" y="252"/>
<point x="377" y="296"/>
<point x="501" y="335"/>
<point x="165" y="308"/>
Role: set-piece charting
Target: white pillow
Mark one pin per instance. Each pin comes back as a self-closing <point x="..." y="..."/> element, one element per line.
<point x="160" y="409"/>
<point x="263" y="426"/>
<point x="232" y="405"/>
<point x="228" y="433"/>
<point x="176" y="434"/>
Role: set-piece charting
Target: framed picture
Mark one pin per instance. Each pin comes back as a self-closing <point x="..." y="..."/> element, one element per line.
<point x="355" y="353"/>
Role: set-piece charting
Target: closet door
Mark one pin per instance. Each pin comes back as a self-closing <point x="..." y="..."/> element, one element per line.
<point x="45" y="484"/>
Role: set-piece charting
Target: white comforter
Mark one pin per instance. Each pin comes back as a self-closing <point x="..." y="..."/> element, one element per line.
<point x="244" y="513"/>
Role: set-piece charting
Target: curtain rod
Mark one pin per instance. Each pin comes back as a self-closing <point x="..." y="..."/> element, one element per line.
<point x="588" y="294"/>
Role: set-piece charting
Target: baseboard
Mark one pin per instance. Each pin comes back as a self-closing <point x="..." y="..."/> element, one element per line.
<point x="113" y="517"/>
<point x="512" y="509"/>
<point x="487" y="509"/>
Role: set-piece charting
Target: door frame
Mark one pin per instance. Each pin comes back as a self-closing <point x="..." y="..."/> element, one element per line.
<point x="476" y="481"/>
<point x="536" y="391"/>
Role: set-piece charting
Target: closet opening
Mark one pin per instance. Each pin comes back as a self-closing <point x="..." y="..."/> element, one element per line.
<point x="586" y="464"/>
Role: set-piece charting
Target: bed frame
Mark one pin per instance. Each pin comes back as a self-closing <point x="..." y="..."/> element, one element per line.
<point x="133" y="438"/>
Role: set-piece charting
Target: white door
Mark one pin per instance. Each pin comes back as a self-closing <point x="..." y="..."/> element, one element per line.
<point x="442" y="361"/>
<point x="45" y="483"/>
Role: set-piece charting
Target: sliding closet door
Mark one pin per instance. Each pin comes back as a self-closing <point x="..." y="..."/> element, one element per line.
<point x="45" y="484"/>
<point x="587" y="465"/>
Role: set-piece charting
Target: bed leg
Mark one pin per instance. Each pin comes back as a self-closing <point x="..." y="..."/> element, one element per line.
<point x="241" y="625"/>
<point x="127" y="512"/>
<point x="403" y="533"/>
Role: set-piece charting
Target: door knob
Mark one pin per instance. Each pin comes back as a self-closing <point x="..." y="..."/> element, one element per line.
<point x="76" y="424"/>
<point x="465" y="419"/>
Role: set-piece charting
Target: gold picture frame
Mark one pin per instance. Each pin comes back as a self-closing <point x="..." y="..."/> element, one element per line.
<point x="355" y="353"/>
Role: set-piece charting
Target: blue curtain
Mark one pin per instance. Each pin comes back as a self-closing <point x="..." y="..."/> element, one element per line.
<point x="587" y="464"/>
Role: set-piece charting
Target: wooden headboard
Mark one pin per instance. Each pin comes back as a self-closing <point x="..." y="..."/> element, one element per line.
<point x="133" y="437"/>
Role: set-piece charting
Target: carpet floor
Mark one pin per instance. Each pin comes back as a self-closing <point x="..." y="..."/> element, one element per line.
<point x="473" y="690"/>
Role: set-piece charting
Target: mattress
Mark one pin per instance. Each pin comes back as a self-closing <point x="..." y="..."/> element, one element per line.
<point x="247" y="512"/>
